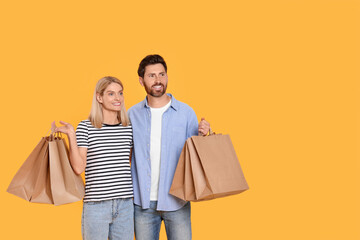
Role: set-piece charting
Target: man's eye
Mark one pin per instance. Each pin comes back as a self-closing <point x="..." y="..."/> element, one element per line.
<point x="110" y="94"/>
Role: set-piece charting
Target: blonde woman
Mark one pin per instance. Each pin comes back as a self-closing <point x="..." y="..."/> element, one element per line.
<point x="101" y="147"/>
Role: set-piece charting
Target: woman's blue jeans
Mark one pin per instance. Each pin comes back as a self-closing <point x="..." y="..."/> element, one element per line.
<point x="110" y="219"/>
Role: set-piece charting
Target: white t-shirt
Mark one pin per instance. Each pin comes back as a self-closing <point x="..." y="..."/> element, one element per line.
<point x="155" y="148"/>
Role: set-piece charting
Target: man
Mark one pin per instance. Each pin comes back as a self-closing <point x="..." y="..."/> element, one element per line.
<point x="161" y="124"/>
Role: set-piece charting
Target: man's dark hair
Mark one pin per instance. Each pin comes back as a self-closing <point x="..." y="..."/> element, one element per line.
<point x="150" y="60"/>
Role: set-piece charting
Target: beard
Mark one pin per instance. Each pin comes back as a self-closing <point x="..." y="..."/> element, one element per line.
<point x="154" y="93"/>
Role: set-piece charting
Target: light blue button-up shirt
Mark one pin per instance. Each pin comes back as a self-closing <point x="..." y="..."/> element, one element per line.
<point x="179" y="122"/>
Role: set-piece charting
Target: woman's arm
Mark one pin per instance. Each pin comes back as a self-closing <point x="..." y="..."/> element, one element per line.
<point x="77" y="154"/>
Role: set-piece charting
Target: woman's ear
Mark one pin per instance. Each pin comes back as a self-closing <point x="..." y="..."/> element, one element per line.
<point x="99" y="98"/>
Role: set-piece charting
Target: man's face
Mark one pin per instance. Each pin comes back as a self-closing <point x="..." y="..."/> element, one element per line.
<point x="155" y="80"/>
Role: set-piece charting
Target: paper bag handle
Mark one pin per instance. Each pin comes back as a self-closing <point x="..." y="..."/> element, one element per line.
<point x="210" y="133"/>
<point x="53" y="135"/>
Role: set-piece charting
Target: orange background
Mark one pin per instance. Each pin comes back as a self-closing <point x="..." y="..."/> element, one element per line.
<point x="279" y="76"/>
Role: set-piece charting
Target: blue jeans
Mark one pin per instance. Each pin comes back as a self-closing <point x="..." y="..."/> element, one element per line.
<point x="110" y="219"/>
<point x="148" y="222"/>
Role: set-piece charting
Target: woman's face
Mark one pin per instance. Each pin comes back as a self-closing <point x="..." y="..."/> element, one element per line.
<point x="112" y="98"/>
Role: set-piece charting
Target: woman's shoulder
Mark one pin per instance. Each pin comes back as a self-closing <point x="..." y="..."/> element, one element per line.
<point x="84" y="124"/>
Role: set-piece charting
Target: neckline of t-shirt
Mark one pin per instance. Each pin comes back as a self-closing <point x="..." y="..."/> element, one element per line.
<point x="162" y="108"/>
<point x="111" y="125"/>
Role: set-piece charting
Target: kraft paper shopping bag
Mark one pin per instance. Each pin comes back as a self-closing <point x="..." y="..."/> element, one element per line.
<point x="66" y="186"/>
<point x="46" y="175"/>
<point x="208" y="168"/>
<point x="31" y="182"/>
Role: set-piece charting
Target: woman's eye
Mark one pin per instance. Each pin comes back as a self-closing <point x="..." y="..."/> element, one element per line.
<point x="110" y="94"/>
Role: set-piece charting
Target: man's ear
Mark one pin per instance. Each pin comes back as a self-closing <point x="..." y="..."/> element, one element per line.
<point x="141" y="81"/>
<point x="99" y="98"/>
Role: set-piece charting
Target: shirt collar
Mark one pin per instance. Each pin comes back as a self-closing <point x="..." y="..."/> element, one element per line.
<point x="174" y="102"/>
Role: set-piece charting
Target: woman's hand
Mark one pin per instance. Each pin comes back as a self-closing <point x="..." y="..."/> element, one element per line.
<point x="68" y="129"/>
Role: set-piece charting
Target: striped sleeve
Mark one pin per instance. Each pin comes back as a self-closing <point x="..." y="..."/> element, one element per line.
<point x="82" y="134"/>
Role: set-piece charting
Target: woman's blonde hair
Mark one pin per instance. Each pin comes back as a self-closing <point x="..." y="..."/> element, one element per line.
<point x="96" y="115"/>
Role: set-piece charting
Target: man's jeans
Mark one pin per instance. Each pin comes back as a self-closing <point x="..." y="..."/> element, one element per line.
<point x="148" y="222"/>
<point x="110" y="219"/>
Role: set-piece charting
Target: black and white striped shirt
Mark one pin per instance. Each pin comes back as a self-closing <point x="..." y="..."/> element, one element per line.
<point x="107" y="172"/>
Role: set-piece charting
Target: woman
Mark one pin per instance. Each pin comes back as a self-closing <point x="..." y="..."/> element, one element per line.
<point x="101" y="147"/>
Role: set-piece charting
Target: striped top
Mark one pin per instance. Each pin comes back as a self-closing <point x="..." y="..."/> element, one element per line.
<point x="107" y="172"/>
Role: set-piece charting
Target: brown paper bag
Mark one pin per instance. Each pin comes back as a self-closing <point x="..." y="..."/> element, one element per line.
<point x="31" y="181"/>
<point x="66" y="186"/>
<point x="38" y="180"/>
<point x="208" y="168"/>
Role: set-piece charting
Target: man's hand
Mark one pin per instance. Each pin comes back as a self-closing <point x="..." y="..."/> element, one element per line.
<point x="204" y="127"/>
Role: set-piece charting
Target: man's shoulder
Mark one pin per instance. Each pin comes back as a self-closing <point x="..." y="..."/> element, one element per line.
<point x="136" y="107"/>
<point x="182" y="106"/>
